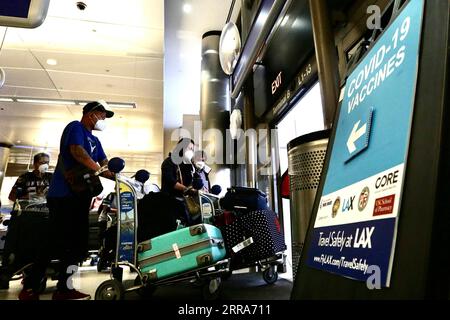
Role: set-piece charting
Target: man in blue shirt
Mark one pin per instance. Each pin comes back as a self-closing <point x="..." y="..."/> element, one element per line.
<point x="69" y="212"/>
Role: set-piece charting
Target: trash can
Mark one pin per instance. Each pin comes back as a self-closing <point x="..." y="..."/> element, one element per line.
<point x="306" y="155"/>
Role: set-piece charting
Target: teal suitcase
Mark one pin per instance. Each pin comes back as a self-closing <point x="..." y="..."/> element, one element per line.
<point x="180" y="251"/>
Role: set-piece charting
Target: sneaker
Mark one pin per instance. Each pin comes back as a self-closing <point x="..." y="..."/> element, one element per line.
<point x="70" y="295"/>
<point x="28" y="294"/>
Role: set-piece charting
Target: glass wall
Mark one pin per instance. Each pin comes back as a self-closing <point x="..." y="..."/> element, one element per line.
<point x="305" y="117"/>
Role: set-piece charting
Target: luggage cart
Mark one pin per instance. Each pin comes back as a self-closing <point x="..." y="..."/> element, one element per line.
<point x="127" y="252"/>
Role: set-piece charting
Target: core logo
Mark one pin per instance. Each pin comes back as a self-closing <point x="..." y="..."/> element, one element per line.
<point x="387" y="180"/>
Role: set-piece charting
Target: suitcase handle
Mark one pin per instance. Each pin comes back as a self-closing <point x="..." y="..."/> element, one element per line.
<point x="204" y="259"/>
<point x="197" y="230"/>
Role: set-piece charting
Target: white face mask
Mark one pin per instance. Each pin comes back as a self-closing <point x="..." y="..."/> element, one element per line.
<point x="43" y="168"/>
<point x="188" y="154"/>
<point x="100" y="125"/>
<point x="200" y="165"/>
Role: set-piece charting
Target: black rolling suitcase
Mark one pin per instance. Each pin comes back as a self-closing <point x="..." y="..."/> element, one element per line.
<point x="254" y="236"/>
<point x="242" y="199"/>
<point x="265" y="229"/>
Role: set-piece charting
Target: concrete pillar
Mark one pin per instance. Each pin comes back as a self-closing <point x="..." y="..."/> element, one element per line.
<point x="215" y="104"/>
<point x="327" y="59"/>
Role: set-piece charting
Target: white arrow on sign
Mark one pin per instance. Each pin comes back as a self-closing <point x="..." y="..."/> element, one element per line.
<point x="355" y="135"/>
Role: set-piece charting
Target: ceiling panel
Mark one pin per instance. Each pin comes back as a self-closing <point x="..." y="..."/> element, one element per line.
<point x="141" y="13"/>
<point x="29" y="92"/>
<point x="35" y="78"/>
<point x="88" y="37"/>
<point x="34" y="111"/>
<point x="105" y="84"/>
<point x="18" y="59"/>
<point x="136" y="67"/>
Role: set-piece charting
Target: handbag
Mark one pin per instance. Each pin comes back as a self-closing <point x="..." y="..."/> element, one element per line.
<point x="192" y="204"/>
<point x="82" y="180"/>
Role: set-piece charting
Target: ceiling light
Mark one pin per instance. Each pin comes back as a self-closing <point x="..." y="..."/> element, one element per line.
<point x="122" y="105"/>
<point x="6" y="100"/>
<point x="187" y="8"/>
<point x="211" y="51"/>
<point x="46" y="101"/>
<point x="52" y="62"/>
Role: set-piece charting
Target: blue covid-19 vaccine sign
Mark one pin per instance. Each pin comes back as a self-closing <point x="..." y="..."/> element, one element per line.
<point x="355" y="228"/>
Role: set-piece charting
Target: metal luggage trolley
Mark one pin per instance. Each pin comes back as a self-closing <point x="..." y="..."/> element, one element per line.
<point x="126" y="252"/>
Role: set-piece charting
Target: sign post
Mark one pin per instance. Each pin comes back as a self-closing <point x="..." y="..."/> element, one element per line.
<point x="356" y="222"/>
<point x="127" y="224"/>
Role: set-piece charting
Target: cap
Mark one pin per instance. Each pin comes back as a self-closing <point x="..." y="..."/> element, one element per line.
<point x="99" y="105"/>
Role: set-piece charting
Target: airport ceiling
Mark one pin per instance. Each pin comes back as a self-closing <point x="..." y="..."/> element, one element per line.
<point x="113" y="50"/>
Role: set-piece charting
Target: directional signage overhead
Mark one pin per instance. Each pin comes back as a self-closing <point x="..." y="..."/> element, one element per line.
<point x="23" y="13"/>
<point x="355" y="228"/>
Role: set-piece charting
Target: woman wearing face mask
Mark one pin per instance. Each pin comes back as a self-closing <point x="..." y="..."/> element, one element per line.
<point x="177" y="172"/>
<point x="177" y="169"/>
<point x="33" y="184"/>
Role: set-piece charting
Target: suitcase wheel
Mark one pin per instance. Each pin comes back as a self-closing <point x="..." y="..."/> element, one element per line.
<point x="270" y="275"/>
<point x="110" y="290"/>
<point x="211" y="289"/>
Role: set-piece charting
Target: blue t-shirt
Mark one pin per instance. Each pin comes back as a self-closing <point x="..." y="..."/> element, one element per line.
<point x="74" y="134"/>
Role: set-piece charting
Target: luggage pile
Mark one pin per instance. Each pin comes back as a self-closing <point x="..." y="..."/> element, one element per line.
<point x="238" y="231"/>
<point x="246" y="231"/>
<point x="251" y="231"/>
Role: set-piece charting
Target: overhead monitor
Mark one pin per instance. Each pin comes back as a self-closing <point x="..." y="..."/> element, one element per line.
<point x="23" y="13"/>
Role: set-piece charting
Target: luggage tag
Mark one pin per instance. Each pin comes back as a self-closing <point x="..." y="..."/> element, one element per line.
<point x="176" y="251"/>
<point x="242" y="245"/>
